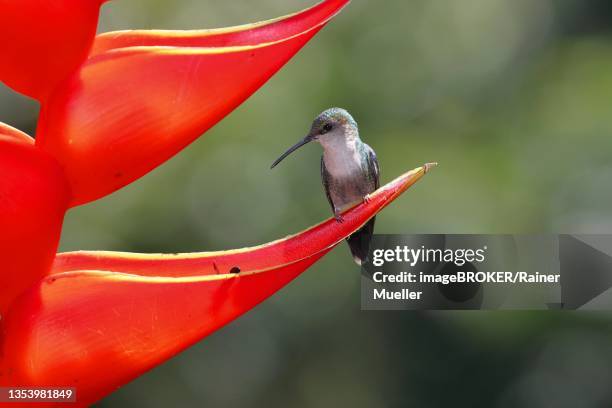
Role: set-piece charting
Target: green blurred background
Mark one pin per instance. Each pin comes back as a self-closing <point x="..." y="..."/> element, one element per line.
<point x="513" y="98"/>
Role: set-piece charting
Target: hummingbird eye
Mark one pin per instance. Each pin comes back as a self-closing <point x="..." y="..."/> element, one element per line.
<point x="326" y="128"/>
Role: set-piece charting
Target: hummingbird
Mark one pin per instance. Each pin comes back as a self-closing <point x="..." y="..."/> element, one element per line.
<point x="349" y="170"/>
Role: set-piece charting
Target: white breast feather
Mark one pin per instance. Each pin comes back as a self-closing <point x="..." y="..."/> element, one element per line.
<point x="342" y="161"/>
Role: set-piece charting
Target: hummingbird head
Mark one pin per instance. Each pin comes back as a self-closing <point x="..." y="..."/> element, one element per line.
<point x="331" y="127"/>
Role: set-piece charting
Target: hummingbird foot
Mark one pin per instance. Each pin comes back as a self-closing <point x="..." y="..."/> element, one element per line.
<point x="367" y="198"/>
<point x="338" y="217"/>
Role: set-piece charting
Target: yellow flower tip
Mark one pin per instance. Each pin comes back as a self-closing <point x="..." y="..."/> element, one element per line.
<point x="428" y="166"/>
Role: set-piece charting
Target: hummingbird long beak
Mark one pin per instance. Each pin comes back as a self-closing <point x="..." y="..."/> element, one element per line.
<point x="292" y="149"/>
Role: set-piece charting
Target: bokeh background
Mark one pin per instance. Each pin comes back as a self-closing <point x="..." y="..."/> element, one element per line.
<point x="513" y="98"/>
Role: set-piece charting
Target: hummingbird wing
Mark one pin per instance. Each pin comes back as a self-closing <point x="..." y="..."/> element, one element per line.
<point x="373" y="169"/>
<point x="359" y="242"/>
<point x="325" y="179"/>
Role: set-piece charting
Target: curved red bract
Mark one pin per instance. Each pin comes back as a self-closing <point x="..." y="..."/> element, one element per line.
<point x="111" y="113"/>
<point x="135" y="103"/>
<point x="135" y="310"/>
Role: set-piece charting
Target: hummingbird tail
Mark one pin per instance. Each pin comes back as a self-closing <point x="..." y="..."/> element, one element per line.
<point x="359" y="242"/>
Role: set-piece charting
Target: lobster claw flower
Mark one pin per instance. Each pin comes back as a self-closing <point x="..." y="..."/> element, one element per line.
<point x="114" y="107"/>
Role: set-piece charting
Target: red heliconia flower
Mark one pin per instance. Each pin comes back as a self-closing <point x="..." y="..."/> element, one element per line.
<point x="113" y="107"/>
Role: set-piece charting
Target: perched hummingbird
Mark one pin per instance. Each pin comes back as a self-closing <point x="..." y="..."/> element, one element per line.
<point x="349" y="170"/>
